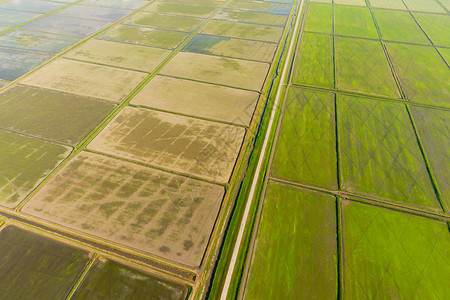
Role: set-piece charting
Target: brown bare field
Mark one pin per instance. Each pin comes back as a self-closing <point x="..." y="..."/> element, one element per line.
<point x="201" y="148"/>
<point x="153" y="211"/>
<point x="86" y="79"/>
<point x="199" y="99"/>
<point x="221" y="70"/>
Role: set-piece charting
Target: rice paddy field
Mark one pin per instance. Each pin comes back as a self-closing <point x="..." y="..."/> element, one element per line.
<point x="354" y="202"/>
<point x="129" y="131"/>
<point x="125" y="131"/>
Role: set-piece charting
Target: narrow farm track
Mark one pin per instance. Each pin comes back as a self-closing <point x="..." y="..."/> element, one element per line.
<point x="255" y="180"/>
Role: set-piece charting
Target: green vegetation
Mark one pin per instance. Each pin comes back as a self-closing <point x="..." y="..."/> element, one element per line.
<point x="319" y="18"/>
<point x="133" y="205"/>
<point x="242" y="30"/>
<point x="67" y="118"/>
<point x="314" y="62"/>
<point x="394" y="4"/>
<point x="181" y="23"/>
<point x="351" y="2"/>
<point x="295" y="251"/>
<point x="421" y="70"/>
<point x="35" y="267"/>
<point x="231" y="47"/>
<point x="25" y="162"/>
<point x="306" y="146"/>
<point x="362" y="67"/>
<point x="434" y="131"/>
<point x="389" y="254"/>
<point x="426" y="6"/>
<point x="188" y="145"/>
<point x="380" y="155"/>
<point x="399" y="26"/>
<point x="354" y="21"/>
<point x="110" y="280"/>
<point x="251" y="17"/>
<point x="145" y="36"/>
<point x="436" y="27"/>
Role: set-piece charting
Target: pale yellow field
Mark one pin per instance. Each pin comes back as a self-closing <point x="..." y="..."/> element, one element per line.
<point x="86" y="79"/>
<point x="198" y="99"/>
<point x="153" y="211"/>
<point x="227" y="71"/>
<point x="120" y="54"/>
<point x="188" y="145"/>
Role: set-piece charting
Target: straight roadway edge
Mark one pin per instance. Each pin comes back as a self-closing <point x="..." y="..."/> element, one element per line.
<point x="416" y="132"/>
<point x="272" y="149"/>
<point x="80" y="241"/>
<point x="82" y="145"/>
<point x="258" y="171"/>
<point x="229" y="212"/>
<point x="434" y="215"/>
<point x="82" y="276"/>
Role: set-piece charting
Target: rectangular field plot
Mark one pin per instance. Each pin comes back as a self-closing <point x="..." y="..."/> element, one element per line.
<point x="129" y="4"/>
<point x="34" y="6"/>
<point x="242" y="30"/>
<point x="181" y="23"/>
<point x="198" y="147"/>
<point x="94" y="13"/>
<point x="221" y="70"/>
<point x="146" y="209"/>
<point x="362" y="67"/>
<point x="14" y="18"/>
<point x="120" y="55"/>
<point x="145" y="36"/>
<point x="295" y="251"/>
<point x="25" y="162"/>
<point x="436" y="27"/>
<point x="86" y="79"/>
<point x="393" y="4"/>
<point x="306" y="145"/>
<point x="314" y="64"/>
<point x="434" y="131"/>
<point x="319" y="18"/>
<point x="180" y="9"/>
<point x="354" y="21"/>
<point x="231" y="47"/>
<point x="423" y="73"/>
<point x="399" y="26"/>
<point x="267" y="7"/>
<point x="109" y="279"/>
<point x="391" y="255"/>
<point x="66" y="118"/>
<point x="351" y="2"/>
<point x="425" y="6"/>
<point x="14" y="64"/>
<point x="199" y="99"/>
<point x="380" y="156"/>
<point x="67" y="26"/>
<point x="199" y="2"/>
<point x="35" y="267"/>
<point x="36" y="41"/>
<point x="252" y="17"/>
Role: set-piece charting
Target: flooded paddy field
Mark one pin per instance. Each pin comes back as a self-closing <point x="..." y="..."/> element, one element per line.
<point x="126" y="125"/>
